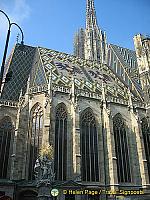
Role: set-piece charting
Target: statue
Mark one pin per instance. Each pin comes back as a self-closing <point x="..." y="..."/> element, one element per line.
<point x="43" y="168"/>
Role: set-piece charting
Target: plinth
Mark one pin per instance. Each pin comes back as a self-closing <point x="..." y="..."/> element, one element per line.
<point x="44" y="190"/>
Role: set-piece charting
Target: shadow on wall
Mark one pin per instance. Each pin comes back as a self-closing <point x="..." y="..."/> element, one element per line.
<point x="27" y="195"/>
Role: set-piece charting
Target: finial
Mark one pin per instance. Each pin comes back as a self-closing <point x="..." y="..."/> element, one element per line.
<point x="91" y="20"/>
<point x="17" y="38"/>
<point x="130" y="100"/>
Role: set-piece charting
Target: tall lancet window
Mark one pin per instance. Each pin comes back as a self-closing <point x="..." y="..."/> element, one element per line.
<point x="61" y="142"/>
<point x="35" y="138"/>
<point x="6" y="133"/>
<point x="122" y="151"/>
<point x="89" y="147"/>
<point x="146" y="137"/>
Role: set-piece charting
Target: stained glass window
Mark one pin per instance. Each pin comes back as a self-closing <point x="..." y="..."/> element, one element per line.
<point x="35" y="138"/>
<point x="146" y="137"/>
<point x="6" y="132"/>
<point x="121" y="147"/>
<point x="61" y="142"/>
<point x="89" y="147"/>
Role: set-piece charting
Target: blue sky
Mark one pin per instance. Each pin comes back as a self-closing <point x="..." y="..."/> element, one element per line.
<point x="52" y="23"/>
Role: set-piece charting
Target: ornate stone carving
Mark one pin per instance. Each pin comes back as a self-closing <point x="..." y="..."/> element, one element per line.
<point x="43" y="168"/>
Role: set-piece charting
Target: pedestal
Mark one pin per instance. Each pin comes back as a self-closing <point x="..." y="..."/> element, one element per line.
<point x="44" y="191"/>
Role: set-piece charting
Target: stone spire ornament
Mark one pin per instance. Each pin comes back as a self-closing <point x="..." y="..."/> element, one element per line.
<point x="90" y="44"/>
<point x="91" y="20"/>
<point x="95" y="38"/>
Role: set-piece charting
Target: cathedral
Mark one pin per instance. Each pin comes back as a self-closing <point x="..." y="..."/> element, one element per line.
<point x="92" y="108"/>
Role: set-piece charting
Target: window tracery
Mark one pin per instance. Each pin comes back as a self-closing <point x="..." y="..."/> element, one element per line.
<point x="6" y="131"/>
<point x="89" y="147"/>
<point x="60" y="142"/>
<point x="146" y="138"/>
<point x="35" y="138"/>
<point x="122" y="151"/>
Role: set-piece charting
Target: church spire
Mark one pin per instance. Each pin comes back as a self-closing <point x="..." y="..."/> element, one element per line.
<point x="91" y="20"/>
<point x="91" y="44"/>
<point x="95" y="39"/>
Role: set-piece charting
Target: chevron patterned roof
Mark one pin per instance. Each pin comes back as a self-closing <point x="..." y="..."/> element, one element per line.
<point x="88" y="75"/>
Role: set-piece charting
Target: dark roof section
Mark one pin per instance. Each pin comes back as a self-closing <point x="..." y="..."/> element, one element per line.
<point x="127" y="56"/>
<point x="20" y="65"/>
<point x="128" y="60"/>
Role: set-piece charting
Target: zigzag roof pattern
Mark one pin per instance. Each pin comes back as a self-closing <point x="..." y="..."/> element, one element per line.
<point x="88" y="75"/>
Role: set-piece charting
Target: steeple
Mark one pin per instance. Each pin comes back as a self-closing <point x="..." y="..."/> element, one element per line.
<point x="95" y="39"/>
<point x="91" y="20"/>
<point x="90" y="44"/>
<point x="142" y="47"/>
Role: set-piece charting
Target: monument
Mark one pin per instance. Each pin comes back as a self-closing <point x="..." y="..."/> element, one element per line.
<point x="44" y="172"/>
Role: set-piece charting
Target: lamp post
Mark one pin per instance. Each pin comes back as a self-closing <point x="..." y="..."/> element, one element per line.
<point x="6" y="45"/>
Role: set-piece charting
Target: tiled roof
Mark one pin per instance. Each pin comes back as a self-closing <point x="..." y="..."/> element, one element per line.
<point x="125" y="60"/>
<point x="127" y="56"/>
<point x="89" y="75"/>
<point x="20" y="65"/>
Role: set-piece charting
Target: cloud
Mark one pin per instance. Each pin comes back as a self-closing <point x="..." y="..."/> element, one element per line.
<point x="17" y="10"/>
<point x="21" y="10"/>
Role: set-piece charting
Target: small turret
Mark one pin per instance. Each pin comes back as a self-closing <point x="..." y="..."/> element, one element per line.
<point x="79" y="43"/>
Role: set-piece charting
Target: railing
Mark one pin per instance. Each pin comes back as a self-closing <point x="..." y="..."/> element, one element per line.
<point x="88" y="94"/>
<point x="140" y="105"/>
<point x="38" y="89"/>
<point x="57" y="88"/>
<point x="79" y="93"/>
<point x="117" y="100"/>
<point x="9" y="103"/>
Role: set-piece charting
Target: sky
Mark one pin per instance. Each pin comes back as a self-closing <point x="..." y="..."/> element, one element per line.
<point x="53" y="23"/>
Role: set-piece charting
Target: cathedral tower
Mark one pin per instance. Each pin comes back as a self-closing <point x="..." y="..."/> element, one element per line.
<point x="91" y="44"/>
<point x="142" y="47"/>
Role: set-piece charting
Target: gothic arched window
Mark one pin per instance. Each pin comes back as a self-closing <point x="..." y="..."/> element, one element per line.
<point x="122" y="151"/>
<point x="146" y="137"/>
<point x="61" y="142"/>
<point x="35" y="138"/>
<point x="89" y="147"/>
<point x="6" y="131"/>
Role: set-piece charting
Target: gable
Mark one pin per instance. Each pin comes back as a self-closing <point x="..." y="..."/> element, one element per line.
<point x="20" y="64"/>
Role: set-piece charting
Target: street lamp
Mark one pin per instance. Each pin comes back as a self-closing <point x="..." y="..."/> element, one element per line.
<point x="6" y="45"/>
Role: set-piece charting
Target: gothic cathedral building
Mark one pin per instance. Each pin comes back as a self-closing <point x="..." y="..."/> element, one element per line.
<point x="92" y="107"/>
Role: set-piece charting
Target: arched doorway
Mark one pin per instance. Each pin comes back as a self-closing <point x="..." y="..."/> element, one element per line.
<point x="28" y="195"/>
